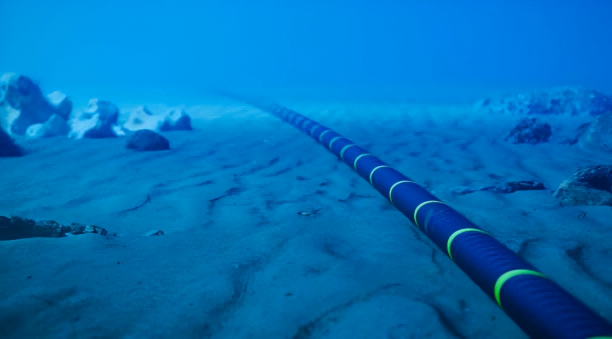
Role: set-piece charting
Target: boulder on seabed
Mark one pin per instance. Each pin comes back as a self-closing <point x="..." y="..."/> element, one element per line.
<point x="141" y="118"/>
<point x="23" y="104"/>
<point x="99" y="120"/>
<point x="589" y="186"/>
<point x="176" y="119"/>
<point x="598" y="134"/>
<point x="8" y="148"/>
<point x="556" y="101"/>
<point x="147" y="140"/>
<point x="530" y="131"/>
<point x="173" y="120"/>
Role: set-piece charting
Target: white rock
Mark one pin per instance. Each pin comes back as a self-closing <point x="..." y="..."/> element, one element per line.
<point x="99" y="120"/>
<point x="119" y="131"/>
<point x="176" y="120"/>
<point x="55" y="126"/>
<point x="61" y="103"/>
<point x="141" y="118"/>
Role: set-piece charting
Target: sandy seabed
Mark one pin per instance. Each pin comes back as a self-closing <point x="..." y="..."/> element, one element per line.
<point x="238" y="261"/>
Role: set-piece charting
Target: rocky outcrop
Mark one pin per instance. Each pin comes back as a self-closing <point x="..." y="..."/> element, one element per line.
<point x="147" y="140"/>
<point x="589" y="186"/>
<point x="99" y="120"/>
<point x="176" y="120"/>
<point x="24" y="105"/>
<point x="557" y="101"/>
<point x="529" y="131"/>
<point x="598" y="134"/>
<point x="14" y="228"/>
<point x="8" y="148"/>
<point x="24" y="110"/>
<point x="508" y="187"/>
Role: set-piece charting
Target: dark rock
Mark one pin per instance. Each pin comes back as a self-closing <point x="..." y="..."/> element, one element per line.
<point x="530" y="131"/>
<point x="579" y="132"/>
<point x="147" y="140"/>
<point x="154" y="233"/>
<point x="508" y="187"/>
<point x="20" y="91"/>
<point x="21" y="228"/>
<point x="8" y="148"/>
<point x="598" y="134"/>
<point x="556" y="101"/>
<point x="589" y="186"/>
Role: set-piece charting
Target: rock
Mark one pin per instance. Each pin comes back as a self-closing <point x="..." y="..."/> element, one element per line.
<point x="513" y="186"/>
<point x="24" y="104"/>
<point x="176" y="120"/>
<point x="589" y="186"/>
<point x="598" y="134"/>
<point x="119" y="131"/>
<point x="20" y="228"/>
<point x="579" y="132"/>
<point x="154" y="233"/>
<point x="557" y="101"/>
<point x="172" y="120"/>
<point x="508" y="187"/>
<point x="530" y="131"/>
<point x="8" y="148"/>
<point x="147" y="140"/>
<point x="61" y="103"/>
<point x="97" y="121"/>
<point x="141" y="118"/>
<point x="55" y="126"/>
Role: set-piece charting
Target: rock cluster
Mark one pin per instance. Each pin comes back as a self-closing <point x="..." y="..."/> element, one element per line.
<point x="26" y="111"/>
<point x="12" y="228"/>
<point x="556" y="101"/>
<point x="535" y="107"/>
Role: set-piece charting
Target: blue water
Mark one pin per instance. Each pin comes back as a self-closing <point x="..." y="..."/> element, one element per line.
<point x="390" y="48"/>
<point x="267" y="235"/>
